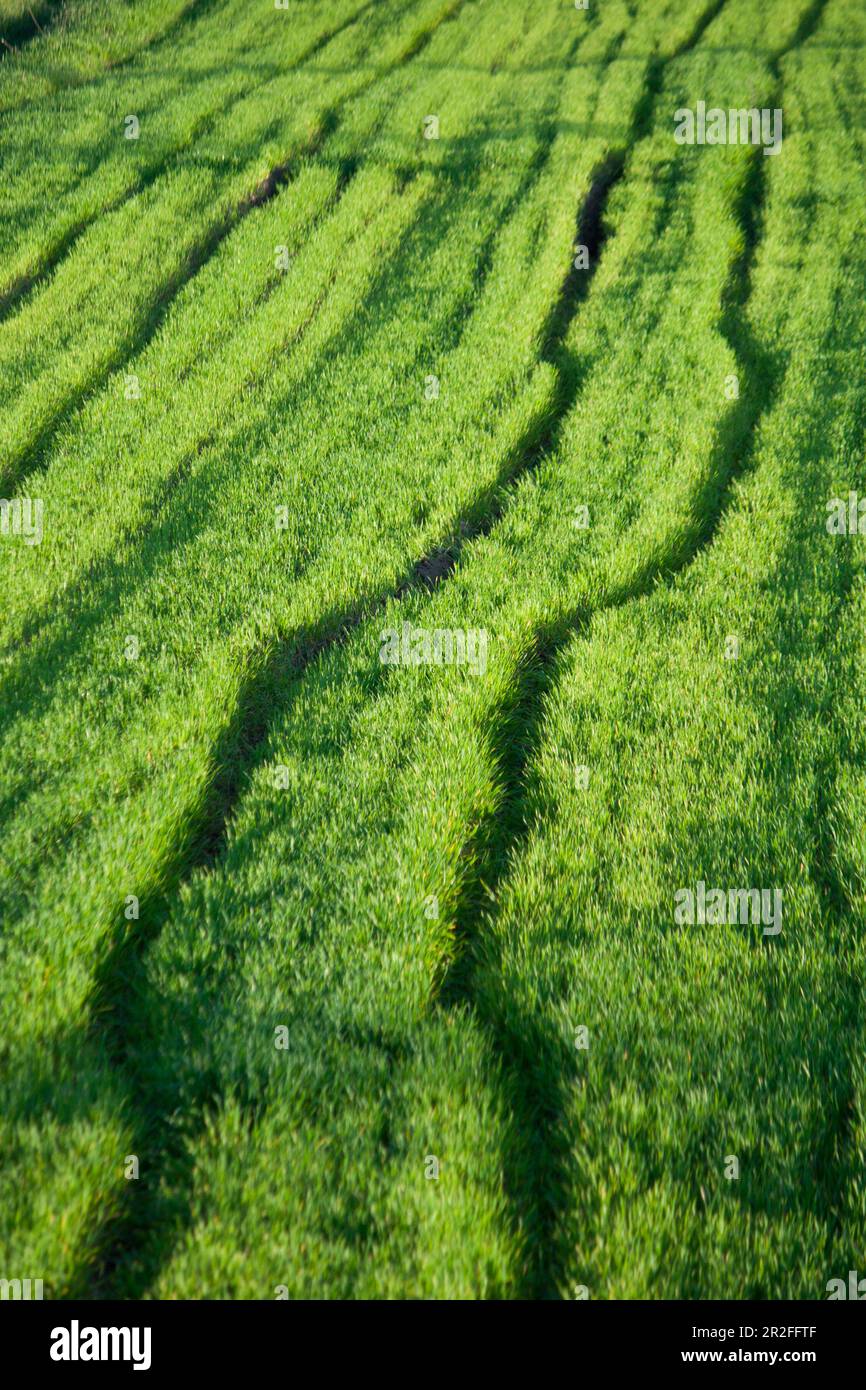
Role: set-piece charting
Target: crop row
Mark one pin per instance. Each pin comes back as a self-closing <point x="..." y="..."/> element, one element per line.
<point x="396" y="866"/>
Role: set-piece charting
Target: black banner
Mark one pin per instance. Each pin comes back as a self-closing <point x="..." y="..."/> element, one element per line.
<point x="82" y="1339"/>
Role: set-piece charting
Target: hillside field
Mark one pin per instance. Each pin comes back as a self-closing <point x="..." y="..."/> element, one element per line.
<point x="432" y="648"/>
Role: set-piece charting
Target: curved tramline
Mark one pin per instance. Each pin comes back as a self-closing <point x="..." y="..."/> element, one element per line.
<point x="222" y="665"/>
<point x="151" y="245"/>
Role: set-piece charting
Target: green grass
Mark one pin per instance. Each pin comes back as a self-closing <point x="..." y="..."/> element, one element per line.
<point x="53" y="45"/>
<point x="283" y="805"/>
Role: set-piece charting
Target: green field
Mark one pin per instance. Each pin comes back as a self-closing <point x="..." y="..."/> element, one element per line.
<point x="338" y="961"/>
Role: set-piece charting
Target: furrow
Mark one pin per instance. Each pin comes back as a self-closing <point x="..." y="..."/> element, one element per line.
<point x="18" y="289"/>
<point x="538" y="1160"/>
<point x="31" y="456"/>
